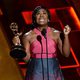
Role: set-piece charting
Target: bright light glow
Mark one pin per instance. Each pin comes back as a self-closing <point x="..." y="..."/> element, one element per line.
<point x="70" y="66"/>
<point x="27" y="15"/>
<point x="76" y="60"/>
<point x="74" y="16"/>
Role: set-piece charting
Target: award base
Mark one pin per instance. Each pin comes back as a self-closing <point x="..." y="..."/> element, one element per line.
<point x="17" y="52"/>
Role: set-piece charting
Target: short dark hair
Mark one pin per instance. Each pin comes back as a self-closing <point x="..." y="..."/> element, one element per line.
<point x="35" y="12"/>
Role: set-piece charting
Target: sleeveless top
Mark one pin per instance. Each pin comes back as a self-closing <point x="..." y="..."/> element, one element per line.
<point x="36" y="48"/>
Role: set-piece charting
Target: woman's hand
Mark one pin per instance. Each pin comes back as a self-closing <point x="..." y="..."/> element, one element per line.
<point x="16" y="39"/>
<point x="67" y="30"/>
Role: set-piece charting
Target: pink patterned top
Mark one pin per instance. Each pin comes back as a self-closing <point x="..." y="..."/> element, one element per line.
<point x="36" y="46"/>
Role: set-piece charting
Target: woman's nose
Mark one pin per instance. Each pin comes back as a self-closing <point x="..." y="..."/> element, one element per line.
<point x="41" y="15"/>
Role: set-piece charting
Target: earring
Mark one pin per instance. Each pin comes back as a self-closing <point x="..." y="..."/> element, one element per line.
<point x="48" y="20"/>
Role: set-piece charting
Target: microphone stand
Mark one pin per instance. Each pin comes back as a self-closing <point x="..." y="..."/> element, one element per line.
<point x="44" y="34"/>
<point x="47" y="58"/>
<point x="39" y="39"/>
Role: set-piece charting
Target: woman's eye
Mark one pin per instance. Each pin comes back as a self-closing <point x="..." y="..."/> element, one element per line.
<point x="38" y="13"/>
<point x="41" y="13"/>
<point x="44" y="13"/>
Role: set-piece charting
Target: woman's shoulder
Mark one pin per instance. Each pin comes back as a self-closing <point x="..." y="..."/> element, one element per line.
<point x="28" y="33"/>
<point x="55" y="30"/>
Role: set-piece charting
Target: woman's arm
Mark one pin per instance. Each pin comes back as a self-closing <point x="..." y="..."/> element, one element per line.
<point x="66" y="43"/>
<point x="26" y="44"/>
<point x="64" y="46"/>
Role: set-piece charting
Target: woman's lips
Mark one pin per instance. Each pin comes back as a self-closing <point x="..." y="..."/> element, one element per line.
<point x="41" y="20"/>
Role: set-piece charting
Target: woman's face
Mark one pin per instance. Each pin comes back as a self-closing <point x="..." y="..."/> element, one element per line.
<point x="42" y="17"/>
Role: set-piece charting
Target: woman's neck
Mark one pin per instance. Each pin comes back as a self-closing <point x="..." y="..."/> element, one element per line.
<point x="42" y="27"/>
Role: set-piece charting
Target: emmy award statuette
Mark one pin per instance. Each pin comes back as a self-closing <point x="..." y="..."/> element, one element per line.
<point x="17" y="50"/>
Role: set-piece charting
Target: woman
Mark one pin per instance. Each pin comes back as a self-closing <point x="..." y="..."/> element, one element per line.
<point x="41" y="47"/>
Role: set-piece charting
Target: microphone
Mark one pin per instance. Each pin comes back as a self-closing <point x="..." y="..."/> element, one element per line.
<point x="43" y="32"/>
<point x="39" y="38"/>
